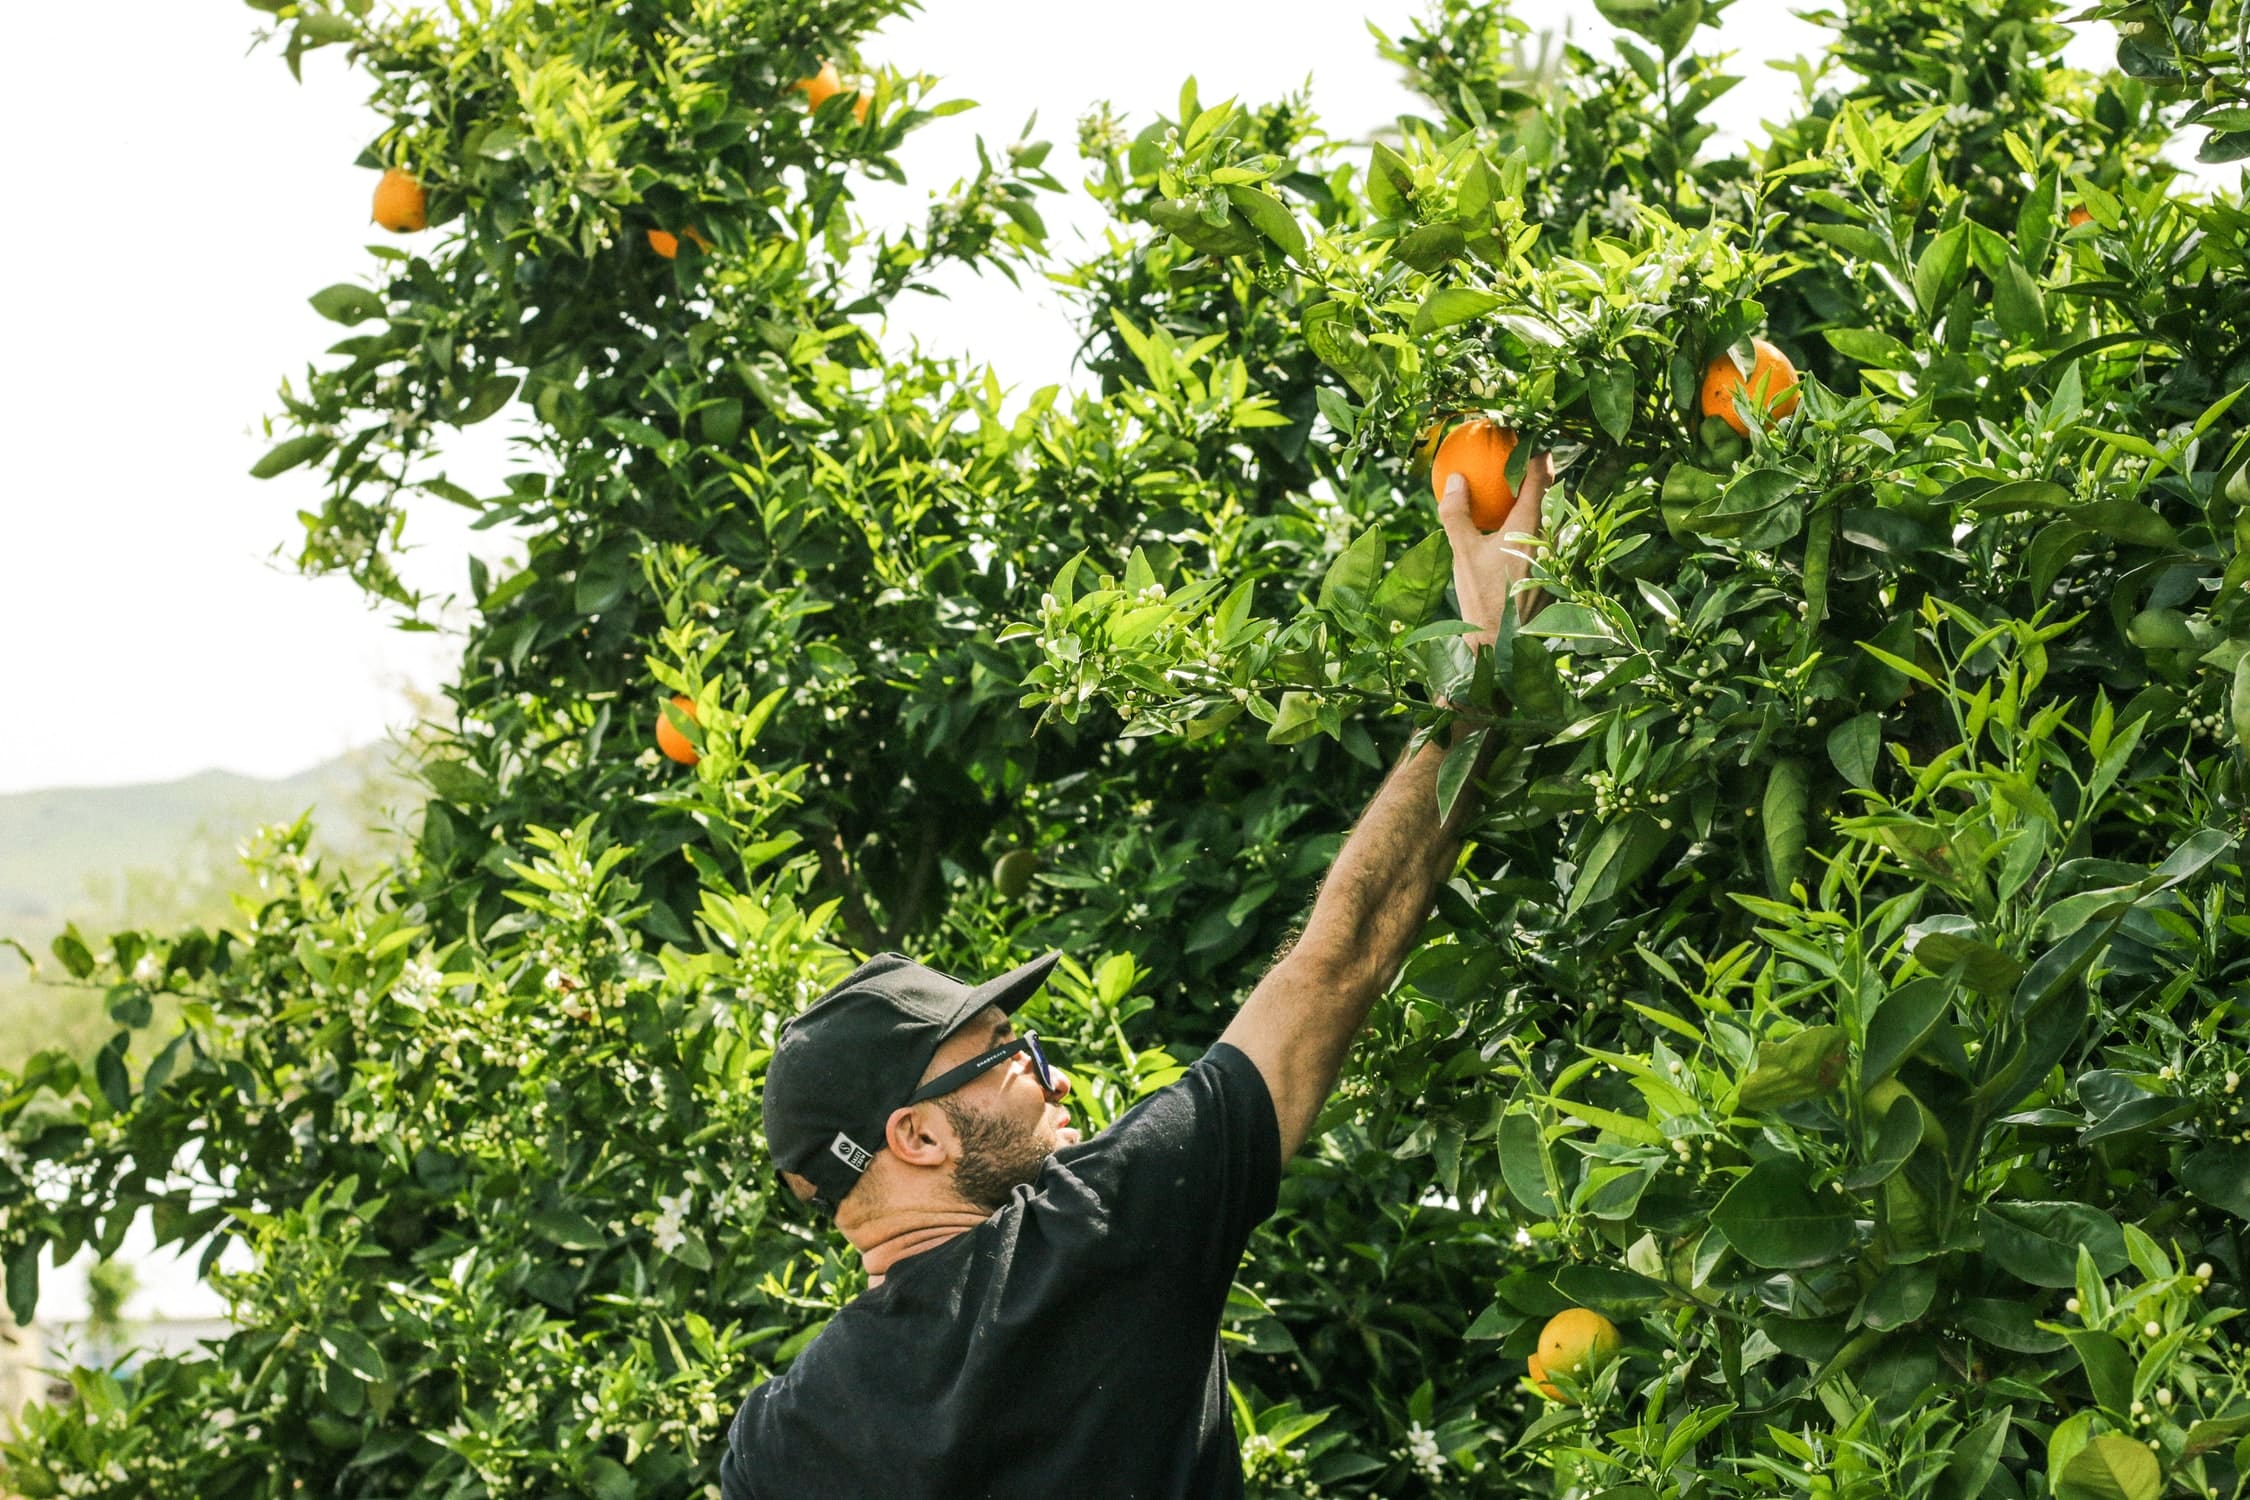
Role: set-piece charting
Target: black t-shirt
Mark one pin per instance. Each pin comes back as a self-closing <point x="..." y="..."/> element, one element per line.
<point x="1068" y="1345"/>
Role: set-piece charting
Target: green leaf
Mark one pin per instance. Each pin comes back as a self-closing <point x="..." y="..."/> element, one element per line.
<point x="1534" y="684"/>
<point x="1944" y="261"/>
<point x="1869" y="347"/>
<point x="609" y="1479"/>
<point x="1896" y="1141"/>
<point x="2017" y="304"/>
<point x="303" y="448"/>
<point x="23" y="1280"/>
<point x="1390" y="182"/>
<point x="349" y="1348"/>
<point x="2220" y="1174"/>
<point x="72" y="951"/>
<point x="491" y="395"/>
<point x="568" y="1229"/>
<point x="1853" y="747"/>
<point x="2005" y="1324"/>
<point x="1298" y="718"/>
<point x="1667" y="23"/>
<point x="1976" y="1454"/>
<point x="1454" y="772"/>
<point x="2111" y="1467"/>
<point x="1620" y="855"/>
<point x="1940" y="942"/>
<point x="604" y="577"/>
<point x="1523" y="1162"/>
<point x="1802" y="1067"/>
<point x="2238" y="703"/>
<point x="2038" y="1242"/>
<point x="1450" y="305"/>
<point x="1232" y="236"/>
<point x="1270" y="217"/>
<point x="1610" y="1290"/>
<point x="1900" y="1296"/>
<point x="1431" y="246"/>
<point x="1341" y="346"/>
<point x="1352" y="577"/>
<point x="1775" y="1217"/>
<point x="1782" y="817"/>
<point x="1415" y="584"/>
<point x="347" y="304"/>
<point x="1609" y="386"/>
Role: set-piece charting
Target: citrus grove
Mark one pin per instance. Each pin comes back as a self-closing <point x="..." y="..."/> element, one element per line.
<point x="1823" y="1074"/>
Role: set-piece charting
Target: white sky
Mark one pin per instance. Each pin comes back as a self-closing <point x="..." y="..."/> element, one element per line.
<point x="186" y="199"/>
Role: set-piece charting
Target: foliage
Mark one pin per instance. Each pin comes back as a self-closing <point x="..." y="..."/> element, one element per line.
<point x="1841" y="989"/>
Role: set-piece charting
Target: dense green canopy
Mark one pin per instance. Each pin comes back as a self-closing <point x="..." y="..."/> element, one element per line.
<point x="1842" y="989"/>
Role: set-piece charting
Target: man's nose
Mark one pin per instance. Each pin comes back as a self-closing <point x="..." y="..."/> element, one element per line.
<point x="1061" y="1080"/>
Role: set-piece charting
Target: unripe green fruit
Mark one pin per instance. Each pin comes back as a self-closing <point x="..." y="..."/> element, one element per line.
<point x="1012" y="872"/>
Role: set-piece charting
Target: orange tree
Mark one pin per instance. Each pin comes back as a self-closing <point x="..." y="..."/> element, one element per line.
<point x="1838" y="994"/>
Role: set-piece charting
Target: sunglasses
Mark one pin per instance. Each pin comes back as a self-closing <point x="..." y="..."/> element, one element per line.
<point x="976" y="1067"/>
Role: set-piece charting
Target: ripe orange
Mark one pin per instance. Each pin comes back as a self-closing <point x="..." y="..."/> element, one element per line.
<point x="667" y="244"/>
<point x="825" y="85"/>
<point x="1773" y="385"/>
<point x="1538" y="1374"/>
<point x="2080" y="215"/>
<point x="1478" y="451"/>
<point x="1577" y="1342"/>
<point x="674" y="744"/>
<point x="400" y="204"/>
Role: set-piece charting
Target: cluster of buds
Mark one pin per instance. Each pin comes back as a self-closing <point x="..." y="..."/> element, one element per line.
<point x="1610" y="799"/>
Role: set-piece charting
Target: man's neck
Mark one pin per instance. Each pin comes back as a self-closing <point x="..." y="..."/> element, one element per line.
<point x="889" y="1238"/>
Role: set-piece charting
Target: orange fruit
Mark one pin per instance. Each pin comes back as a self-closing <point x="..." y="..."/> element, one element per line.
<point x="1773" y="385"/>
<point x="825" y="85"/>
<point x="1478" y="451"/>
<point x="400" y="204"/>
<point x="667" y="244"/>
<point x="2080" y="215"/>
<point x="1577" y="1342"/>
<point x="674" y="744"/>
<point x="1538" y="1374"/>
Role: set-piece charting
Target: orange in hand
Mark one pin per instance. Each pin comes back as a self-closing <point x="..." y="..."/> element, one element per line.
<point x="400" y="204"/>
<point x="1478" y="451"/>
<point x="670" y="740"/>
<point x="1772" y="386"/>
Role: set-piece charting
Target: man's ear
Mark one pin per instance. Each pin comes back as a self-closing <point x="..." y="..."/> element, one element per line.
<point x="919" y="1135"/>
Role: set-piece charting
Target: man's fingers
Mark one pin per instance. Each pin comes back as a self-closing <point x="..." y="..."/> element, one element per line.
<point x="1453" y="514"/>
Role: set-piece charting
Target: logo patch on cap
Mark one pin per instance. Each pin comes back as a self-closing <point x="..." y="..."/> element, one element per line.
<point x="849" y="1152"/>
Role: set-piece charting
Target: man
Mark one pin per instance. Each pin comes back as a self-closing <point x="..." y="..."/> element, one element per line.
<point x="1042" y="1312"/>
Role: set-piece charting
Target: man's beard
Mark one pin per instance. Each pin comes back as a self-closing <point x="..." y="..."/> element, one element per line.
<point x="997" y="1155"/>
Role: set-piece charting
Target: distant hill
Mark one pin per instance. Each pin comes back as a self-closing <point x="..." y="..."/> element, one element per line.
<point x="158" y="857"/>
<point x="70" y="849"/>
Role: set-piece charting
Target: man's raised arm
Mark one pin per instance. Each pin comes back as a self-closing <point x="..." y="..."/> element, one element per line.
<point x="1298" y="1024"/>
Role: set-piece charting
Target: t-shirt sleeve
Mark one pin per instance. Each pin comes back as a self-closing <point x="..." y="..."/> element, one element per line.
<point x="1186" y="1174"/>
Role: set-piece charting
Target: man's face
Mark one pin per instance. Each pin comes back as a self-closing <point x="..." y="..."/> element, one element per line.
<point x="1006" y="1122"/>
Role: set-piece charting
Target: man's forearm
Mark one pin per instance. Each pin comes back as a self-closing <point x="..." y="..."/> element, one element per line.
<point x="1379" y="891"/>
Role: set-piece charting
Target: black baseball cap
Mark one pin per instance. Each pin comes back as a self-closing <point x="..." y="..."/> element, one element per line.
<point x="856" y="1053"/>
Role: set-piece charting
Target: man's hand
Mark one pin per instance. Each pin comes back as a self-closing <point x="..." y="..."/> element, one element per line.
<point x="1487" y="564"/>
